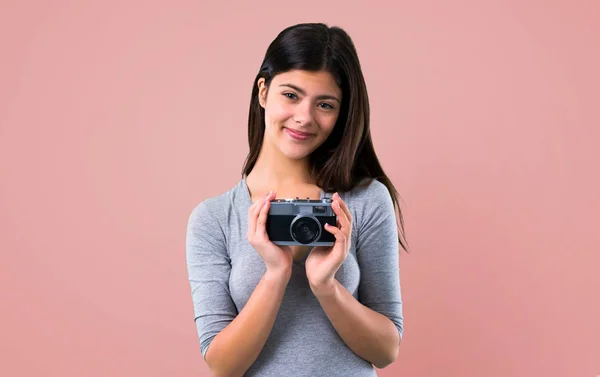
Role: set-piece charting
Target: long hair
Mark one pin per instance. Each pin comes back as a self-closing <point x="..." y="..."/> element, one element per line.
<point x="347" y="157"/>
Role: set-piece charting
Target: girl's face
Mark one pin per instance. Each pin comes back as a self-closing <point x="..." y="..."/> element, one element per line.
<point x="301" y="109"/>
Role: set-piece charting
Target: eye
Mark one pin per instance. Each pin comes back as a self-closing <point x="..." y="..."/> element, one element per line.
<point x="327" y="106"/>
<point x="290" y="95"/>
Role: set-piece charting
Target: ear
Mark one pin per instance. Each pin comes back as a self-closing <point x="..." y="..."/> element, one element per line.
<point x="262" y="92"/>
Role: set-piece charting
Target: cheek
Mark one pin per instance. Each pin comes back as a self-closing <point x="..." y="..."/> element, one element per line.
<point x="277" y="113"/>
<point x="327" y="125"/>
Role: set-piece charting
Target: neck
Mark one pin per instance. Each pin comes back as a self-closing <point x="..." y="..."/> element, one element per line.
<point x="273" y="169"/>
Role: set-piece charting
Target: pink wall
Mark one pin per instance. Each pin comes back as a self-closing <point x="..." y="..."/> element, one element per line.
<point x="485" y="116"/>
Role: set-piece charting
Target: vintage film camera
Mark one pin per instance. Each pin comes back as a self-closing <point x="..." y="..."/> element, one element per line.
<point x="301" y="222"/>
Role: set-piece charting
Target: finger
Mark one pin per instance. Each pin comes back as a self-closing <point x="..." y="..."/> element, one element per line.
<point x="253" y="213"/>
<point x="346" y="221"/>
<point x="337" y="233"/>
<point x="340" y="239"/>
<point x="252" y="218"/>
<point x="344" y="207"/>
<point x="341" y="215"/>
<point x="262" y="216"/>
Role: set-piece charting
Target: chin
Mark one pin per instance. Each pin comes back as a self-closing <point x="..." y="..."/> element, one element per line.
<point x="295" y="153"/>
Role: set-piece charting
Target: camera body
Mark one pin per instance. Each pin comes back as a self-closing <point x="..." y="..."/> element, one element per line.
<point x="300" y="222"/>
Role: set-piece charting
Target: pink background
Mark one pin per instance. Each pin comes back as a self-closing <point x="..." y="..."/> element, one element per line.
<point x="117" y="118"/>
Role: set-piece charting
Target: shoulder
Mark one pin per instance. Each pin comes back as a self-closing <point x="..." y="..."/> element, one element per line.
<point x="370" y="188"/>
<point x="368" y="193"/>
<point x="369" y="201"/>
<point x="216" y="207"/>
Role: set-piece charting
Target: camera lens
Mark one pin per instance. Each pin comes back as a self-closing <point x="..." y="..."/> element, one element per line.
<point x="306" y="229"/>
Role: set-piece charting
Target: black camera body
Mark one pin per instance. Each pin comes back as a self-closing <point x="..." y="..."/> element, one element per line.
<point x="300" y="222"/>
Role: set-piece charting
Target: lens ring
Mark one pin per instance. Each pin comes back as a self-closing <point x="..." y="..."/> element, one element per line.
<point x="303" y="224"/>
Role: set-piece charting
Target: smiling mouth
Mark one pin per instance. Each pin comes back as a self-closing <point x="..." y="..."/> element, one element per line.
<point x="298" y="135"/>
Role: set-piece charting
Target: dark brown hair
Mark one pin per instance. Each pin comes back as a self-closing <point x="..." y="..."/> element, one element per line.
<point x="347" y="157"/>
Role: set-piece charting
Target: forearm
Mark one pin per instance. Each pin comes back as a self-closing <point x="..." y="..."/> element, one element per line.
<point x="367" y="333"/>
<point x="238" y="345"/>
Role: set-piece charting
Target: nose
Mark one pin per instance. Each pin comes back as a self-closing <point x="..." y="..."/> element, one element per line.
<point x="303" y="114"/>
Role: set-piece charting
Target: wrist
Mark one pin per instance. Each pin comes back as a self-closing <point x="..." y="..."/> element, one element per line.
<point x="278" y="274"/>
<point x="324" y="289"/>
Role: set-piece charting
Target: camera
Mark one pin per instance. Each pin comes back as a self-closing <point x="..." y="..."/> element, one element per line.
<point x="300" y="222"/>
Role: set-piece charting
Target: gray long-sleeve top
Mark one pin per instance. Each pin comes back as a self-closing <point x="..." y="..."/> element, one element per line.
<point x="224" y="269"/>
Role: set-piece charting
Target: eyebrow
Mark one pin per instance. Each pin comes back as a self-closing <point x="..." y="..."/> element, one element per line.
<point x="324" y="96"/>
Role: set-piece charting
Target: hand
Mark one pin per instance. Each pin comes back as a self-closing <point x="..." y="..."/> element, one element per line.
<point x="323" y="262"/>
<point x="277" y="259"/>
